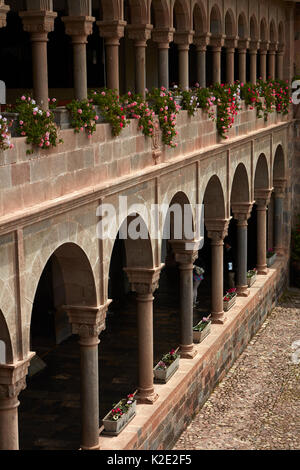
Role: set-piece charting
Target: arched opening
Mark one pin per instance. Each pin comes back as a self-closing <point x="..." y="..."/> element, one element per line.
<point x="276" y="223"/>
<point x="49" y="413"/>
<point x="6" y="355"/>
<point x="229" y="23"/>
<point x="215" y="20"/>
<point x="180" y="19"/>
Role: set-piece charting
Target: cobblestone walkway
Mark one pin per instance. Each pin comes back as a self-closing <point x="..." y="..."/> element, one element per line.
<point x="257" y="405"/>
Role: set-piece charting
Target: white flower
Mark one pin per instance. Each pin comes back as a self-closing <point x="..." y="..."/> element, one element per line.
<point x="36" y="109"/>
<point x="33" y="102"/>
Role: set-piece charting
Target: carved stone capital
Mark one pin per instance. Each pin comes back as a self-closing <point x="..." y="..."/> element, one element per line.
<point x="4" y="9"/>
<point x="183" y="38"/>
<point x="111" y="29"/>
<point x="281" y="49"/>
<point x="254" y="46"/>
<point x="13" y="377"/>
<point x="243" y="44"/>
<point x="279" y="187"/>
<point x="262" y="198"/>
<point x="273" y="46"/>
<point x="217" y="40"/>
<point x="217" y="229"/>
<point x="263" y="47"/>
<point x="139" y="32"/>
<point x="242" y="211"/>
<point x="163" y="35"/>
<point x="202" y="41"/>
<point x="36" y="21"/>
<point x="78" y="27"/>
<point x="87" y="321"/>
<point x="144" y="280"/>
<point x="186" y="251"/>
<point x="231" y="42"/>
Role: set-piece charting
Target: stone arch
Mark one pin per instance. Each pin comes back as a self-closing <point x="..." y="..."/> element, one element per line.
<point x="139" y="252"/>
<point x="179" y="201"/>
<point x="112" y="10"/>
<point x="6" y="353"/>
<point x="138" y="12"/>
<point x="281" y="33"/>
<point x="253" y="28"/>
<point x="273" y="32"/>
<point x="215" y="20"/>
<point x="199" y="17"/>
<point x="279" y="166"/>
<point x="181" y="15"/>
<point x="230" y="26"/>
<point x="261" y="178"/>
<point x="161" y="13"/>
<point x="240" y="189"/>
<point x="263" y="30"/>
<point x="213" y="200"/>
<point x="242" y="25"/>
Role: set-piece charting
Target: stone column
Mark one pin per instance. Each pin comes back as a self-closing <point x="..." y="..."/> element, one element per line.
<point x="253" y="47"/>
<point x="183" y="40"/>
<point x="144" y="282"/>
<point x="140" y="34"/>
<point x="4" y="9"/>
<point x="217" y="230"/>
<point x="272" y="59"/>
<point x="264" y="45"/>
<point x="79" y="28"/>
<point x="112" y="31"/>
<point x="12" y="382"/>
<point x="279" y="195"/>
<point x="88" y="322"/>
<point x="242" y="50"/>
<point x="230" y="45"/>
<point x="242" y="213"/>
<point x="217" y="42"/>
<point x="279" y="61"/>
<point x="262" y="199"/>
<point x="163" y="37"/>
<point x="201" y="41"/>
<point x="185" y="254"/>
<point x="39" y="24"/>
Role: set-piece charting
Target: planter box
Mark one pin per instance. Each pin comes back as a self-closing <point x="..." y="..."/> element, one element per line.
<point x="62" y="117"/>
<point x="199" y="336"/>
<point x="14" y="117"/>
<point x="227" y="304"/>
<point x="271" y="260"/>
<point x="251" y="280"/>
<point x="113" y="428"/>
<point x="162" y="376"/>
<point x="178" y="100"/>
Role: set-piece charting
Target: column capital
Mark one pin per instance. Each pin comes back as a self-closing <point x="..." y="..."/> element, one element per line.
<point x="87" y="322"/>
<point x="254" y="46"/>
<point x="263" y="47"/>
<point x="186" y="251"/>
<point x="78" y="27"/>
<point x="4" y="9"/>
<point x="202" y="41"/>
<point x="144" y="280"/>
<point x="163" y="35"/>
<point x="139" y="32"/>
<point x="217" y="229"/>
<point x="242" y="211"/>
<point x="281" y="48"/>
<point x="113" y="30"/>
<point x="262" y="198"/>
<point x="231" y="42"/>
<point x="183" y="38"/>
<point x="273" y="46"/>
<point x="279" y="186"/>
<point x="13" y="377"/>
<point x="217" y="41"/>
<point x="243" y="44"/>
<point x="36" y="21"/>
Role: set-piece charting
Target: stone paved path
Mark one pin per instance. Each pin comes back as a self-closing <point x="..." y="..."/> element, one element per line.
<point x="257" y="405"/>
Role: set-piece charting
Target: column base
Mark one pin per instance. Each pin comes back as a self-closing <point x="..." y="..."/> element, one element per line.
<point x="97" y="447"/>
<point x="218" y="318"/>
<point x="262" y="269"/>
<point x="187" y="352"/>
<point x="144" y="399"/>
<point x="242" y="291"/>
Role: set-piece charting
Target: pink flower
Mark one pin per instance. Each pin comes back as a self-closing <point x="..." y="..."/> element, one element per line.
<point x="96" y="118"/>
<point x="23" y="98"/>
<point x="79" y="111"/>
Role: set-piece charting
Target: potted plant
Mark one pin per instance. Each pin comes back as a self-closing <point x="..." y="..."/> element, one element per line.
<point x="229" y="299"/>
<point x="271" y="256"/>
<point x="166" y="367"/>
<point x="120" y="415"/>
<point x="201" y="330"/>
<point x="251" y="276"/>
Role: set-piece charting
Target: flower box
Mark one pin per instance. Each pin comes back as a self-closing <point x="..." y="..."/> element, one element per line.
<point x="200" y="334"/>
<point x="251" y="277"/>
<point x="14" y="119"/>
<point x="62" y="117"/>
<point x="114" y="427"/>
<point x="229" y="299"/>
<point x="271" y="259"/>
<point x="164" y="370"/>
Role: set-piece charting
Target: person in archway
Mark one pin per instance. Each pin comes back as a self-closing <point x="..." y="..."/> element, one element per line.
<point x="198" y="276"/>
<point x="229" y="265"/>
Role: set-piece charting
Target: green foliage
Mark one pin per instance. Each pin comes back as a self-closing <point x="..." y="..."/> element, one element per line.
<point x="111" y="108"/>
<point x="83" y="116"/>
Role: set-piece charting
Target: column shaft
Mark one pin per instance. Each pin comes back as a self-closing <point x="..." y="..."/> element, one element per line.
<point x="9" y="431"/>
<point x="163" y="65"/>
<point x="242" y="65"/>
<point x="271" y="57"/>
<point x="140" y="67"/>
<point x="145" y="348"/>
<point x="216" y="51"/>
<point x="183" y="51"/>
<point x="80" y="71"/>
<point x="261" y="239"/>
<point x="263" y="65"/>
<point x="278" y="221"/>
<point x="217" y="311"/>
<point x="89" y="396"/>
<point x="201" y="67"/>
<point x="280" y="65"/>
<point x="253" y="66"/>
<point x="40" y="69"/>
<point x="112" y="63"/>
<point x="241" y="279"/>
<point x="230" y="64"/>
<point x="186" y="311"/>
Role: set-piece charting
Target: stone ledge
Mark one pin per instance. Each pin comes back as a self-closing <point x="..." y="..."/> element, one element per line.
<point x="158" y="426"/>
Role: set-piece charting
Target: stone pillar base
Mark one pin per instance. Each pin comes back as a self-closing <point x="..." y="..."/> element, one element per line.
<point x="187" y="352"/>
<point x="144" y="399"/>
<point x="242" y="291"/>
<point x="262" y="269"/>
<point x="218" y="318"/>
<point x="97" y="447"/>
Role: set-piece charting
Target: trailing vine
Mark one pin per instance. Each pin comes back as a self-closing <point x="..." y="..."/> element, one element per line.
<point x="111" y="108"/>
